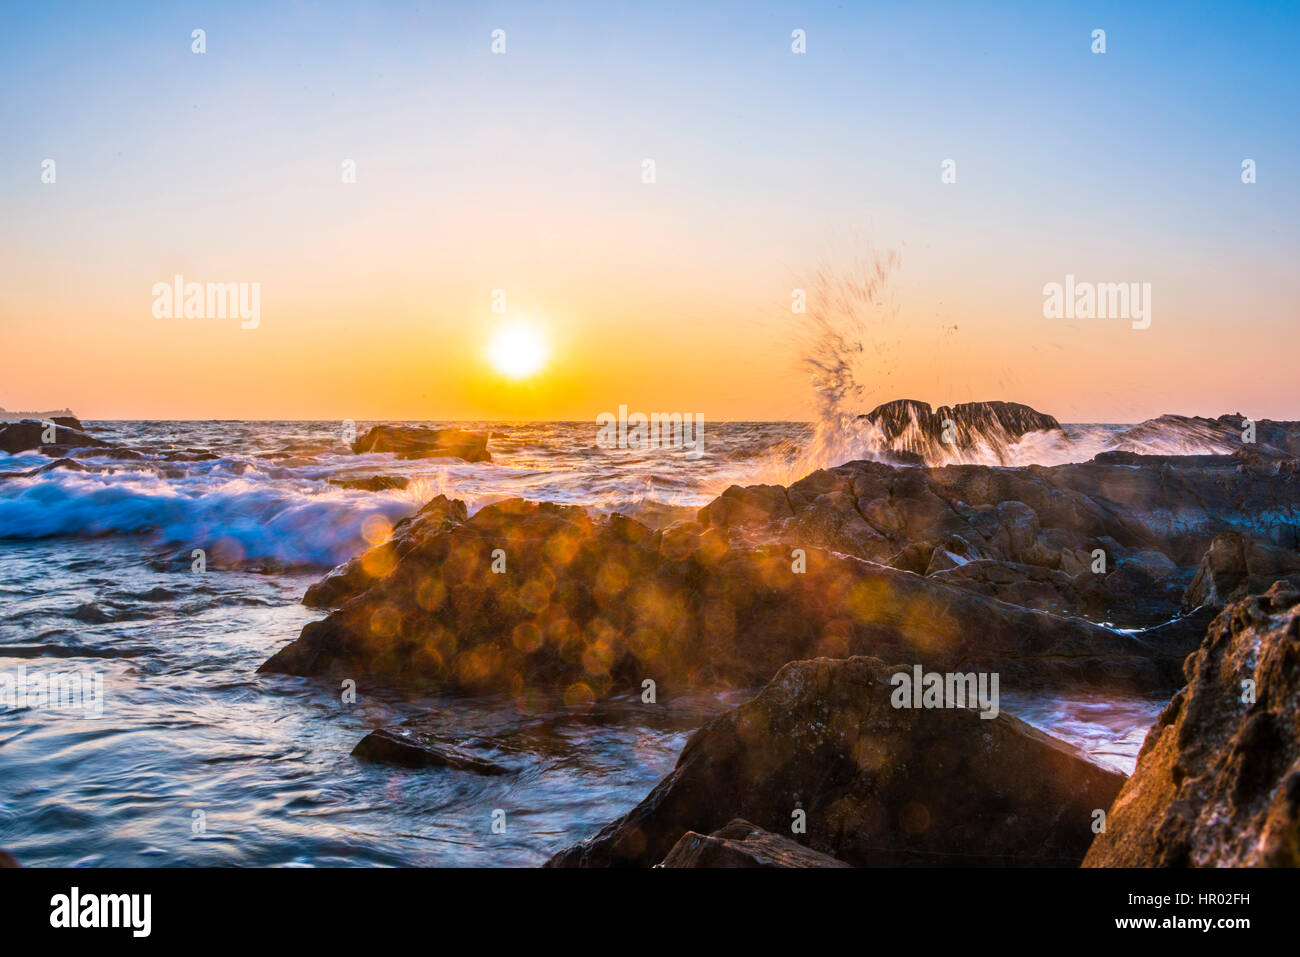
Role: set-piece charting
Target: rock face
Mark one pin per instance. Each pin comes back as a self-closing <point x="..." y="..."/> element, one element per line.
<point x="877" y="785"/>
<point x="910" y="426"/>
<point x="416" y="442"/>
<point x="527" y="596"/>
<point x="1217" y="782"/>
<point x="1032" y="535"/>
<point x="1235" y="566"/>
<point x="741" y="844"/>
<point x="29" y="436"/>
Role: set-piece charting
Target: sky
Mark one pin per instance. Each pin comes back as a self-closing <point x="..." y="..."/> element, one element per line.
<point x="523" y="171"/>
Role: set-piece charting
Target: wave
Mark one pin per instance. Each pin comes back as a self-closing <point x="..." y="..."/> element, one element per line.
<point x="234" y="521"/>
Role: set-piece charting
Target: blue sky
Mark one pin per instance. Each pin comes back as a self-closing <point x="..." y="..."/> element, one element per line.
<point x="481" y="170"/>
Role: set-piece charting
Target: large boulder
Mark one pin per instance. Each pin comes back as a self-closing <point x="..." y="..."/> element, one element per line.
<point x="1217" y="782"/>
<point x="874" y="785"/>
<point x="530" y="596"/>
<point x="418" y="442"/>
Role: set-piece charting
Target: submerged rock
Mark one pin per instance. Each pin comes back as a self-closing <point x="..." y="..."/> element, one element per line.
<point x="418" y="442"/>
<point x="530" y="596"/>
<point x="874" y="785"/>
<point x="741" y="844"/>
<point x="412" y="748"/>
<point x="373" y="483"/>
<point x="1217" y="782"/>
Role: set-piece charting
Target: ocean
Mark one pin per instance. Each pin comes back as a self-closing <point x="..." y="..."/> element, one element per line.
<point x="189" y="757"/>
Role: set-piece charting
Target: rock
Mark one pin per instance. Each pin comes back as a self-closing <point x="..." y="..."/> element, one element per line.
<point x="1235" y="566"/>
<point x="356" y="575"/>
<point x="1217" y="782"/>
<point x="1150" y="517"/>
<point x="189" y="455"/>
<point x="741" y="844"/>
<point x="417" y="442"/>
<point x="1226" y="434"/>
<point x="70" y="465"/>
<point x="373" y="483"/>
<point x="28" y="436"/>
<point x="593" y="607"/>
<point x="878" y="785"/>
<point x="8" y="860"/>
<point x="411" y="748"/>
<point x="910" y="426"/>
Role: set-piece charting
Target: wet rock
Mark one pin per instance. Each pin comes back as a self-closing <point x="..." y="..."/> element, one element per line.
<point x="1217" y="782"/>
<point x="1226" y="434"/>
<point x="909" y="425"/>
<point x="417" y="442"/>
<point x="70" y="465"/>
<point x="355" y="576"/>
<point x="373" y="483"/>
<point x="411" y="748"/>
<point x="189" y="455"/>
<point x="875" y="785"/>
<point x="530" y="596"/>
<point x="1149" y="518"/>
<point x="127" y="455"/>
<point x="29" y="435"/>
<point x="741" y="844"/>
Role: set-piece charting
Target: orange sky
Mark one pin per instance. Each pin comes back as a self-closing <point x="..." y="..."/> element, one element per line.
<point x="523" y="172"/>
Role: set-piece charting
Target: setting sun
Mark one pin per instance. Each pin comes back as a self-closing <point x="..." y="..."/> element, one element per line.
<point x="517" y="351"/>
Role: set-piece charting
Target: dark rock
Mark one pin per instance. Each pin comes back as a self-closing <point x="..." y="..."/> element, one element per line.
<point x="8" y="860"/>
<point x="417" y="442"/>
<point x="28" y="435"/>
<point x="1226" y="435"/>
<point x="910" y="426"/>
<point x="741" y="844"/>
<point x="1235" y="566"/>
<point x="879" y="786"/>
<point x="373" y="483"/>
<point x="1152" y="517"/>
<point x="128" y="455"/>
<point x="189" y="455"/>
<point x="1217" y="782"/>
<point x="598" y="605"/>
<point x="412" y="748"/>
<point x="70" y="465"/>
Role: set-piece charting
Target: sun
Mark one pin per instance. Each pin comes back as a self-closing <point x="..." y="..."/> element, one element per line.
<point x="517" y="351"/>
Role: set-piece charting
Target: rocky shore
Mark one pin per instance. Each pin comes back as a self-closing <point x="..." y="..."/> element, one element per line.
<point x="1104" y="575"/>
